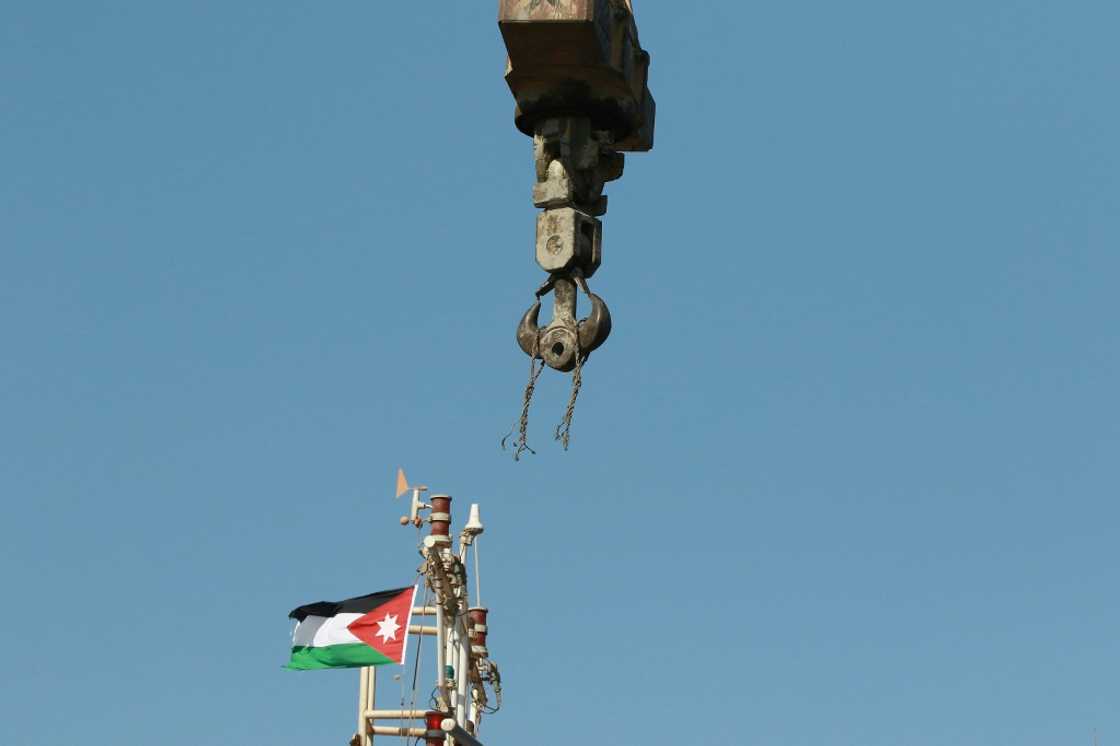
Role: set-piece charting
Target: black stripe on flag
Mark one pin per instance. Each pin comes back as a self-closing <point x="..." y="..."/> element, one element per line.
<point x="359" y="605"/>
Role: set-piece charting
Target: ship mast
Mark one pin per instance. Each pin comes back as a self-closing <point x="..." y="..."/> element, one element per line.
<point x="467" y="682"/>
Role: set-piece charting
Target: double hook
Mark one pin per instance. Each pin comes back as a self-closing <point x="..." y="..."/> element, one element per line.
<point x="565" y="342"/>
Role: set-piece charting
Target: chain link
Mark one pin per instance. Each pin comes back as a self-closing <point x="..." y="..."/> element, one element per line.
<point x="522" y="427"/>
<point x="564" y="429"/>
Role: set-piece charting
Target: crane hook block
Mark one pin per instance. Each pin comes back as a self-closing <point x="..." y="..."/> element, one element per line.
<point x="579" y="78"/>
<point x="579" y="56"/>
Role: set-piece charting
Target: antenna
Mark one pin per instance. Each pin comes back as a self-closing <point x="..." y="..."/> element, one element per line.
<point x="474" y="525"/>
<point x="471" y="532"/>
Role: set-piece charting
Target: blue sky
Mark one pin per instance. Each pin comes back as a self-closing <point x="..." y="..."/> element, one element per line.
<point x="845" y="473"/>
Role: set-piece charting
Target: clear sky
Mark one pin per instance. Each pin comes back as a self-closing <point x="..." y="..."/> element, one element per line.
<point x="846" y="473"/>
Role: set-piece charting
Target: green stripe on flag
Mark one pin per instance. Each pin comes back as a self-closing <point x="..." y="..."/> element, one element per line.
<point x="336" y="656"/>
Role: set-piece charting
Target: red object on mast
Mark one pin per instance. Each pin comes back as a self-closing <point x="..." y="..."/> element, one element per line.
<point x="478" y="631"/>
<point x="433" y="721"/>
<point x="441" y="516"/>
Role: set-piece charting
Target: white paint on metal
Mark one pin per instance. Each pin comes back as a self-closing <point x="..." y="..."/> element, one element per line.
<point x="387" y="730"/>
<point x="363" y="703"/>
<point x="395" y="714"/>
<point x="455" y="731"/>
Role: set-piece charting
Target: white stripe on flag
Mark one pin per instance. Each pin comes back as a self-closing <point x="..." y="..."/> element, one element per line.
<point x="321" y="631"/>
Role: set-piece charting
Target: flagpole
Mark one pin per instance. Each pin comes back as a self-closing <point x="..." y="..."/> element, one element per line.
<point x="363" y="702"/>
<point x="371" y="703"/>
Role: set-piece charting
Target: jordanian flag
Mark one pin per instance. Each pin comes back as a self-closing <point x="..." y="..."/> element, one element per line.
<point x="367" y="631"/>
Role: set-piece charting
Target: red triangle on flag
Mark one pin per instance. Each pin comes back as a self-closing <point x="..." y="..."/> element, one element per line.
<point x="385" y="627"/>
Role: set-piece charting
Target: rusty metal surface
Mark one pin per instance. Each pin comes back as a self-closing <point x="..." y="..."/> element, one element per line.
<point x="568" y="239"/>
<point x="565" y="340"/>
<point x="545" y="10"/>
<point x="569" y="57"/>
<point x="573" y="162"/>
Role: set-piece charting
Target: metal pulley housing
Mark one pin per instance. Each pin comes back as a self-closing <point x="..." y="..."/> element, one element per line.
<point x="579" y="57"/>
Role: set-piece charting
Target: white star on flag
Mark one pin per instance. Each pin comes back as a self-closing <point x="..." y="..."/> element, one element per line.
<point x="388" y="628"/>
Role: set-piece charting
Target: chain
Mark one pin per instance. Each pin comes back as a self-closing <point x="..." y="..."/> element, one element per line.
<point x="523" y="426"/>
<point x="564" y="429"/>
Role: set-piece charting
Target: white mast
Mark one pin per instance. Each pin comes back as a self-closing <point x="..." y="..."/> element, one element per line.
<point x="463" y="666"/>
